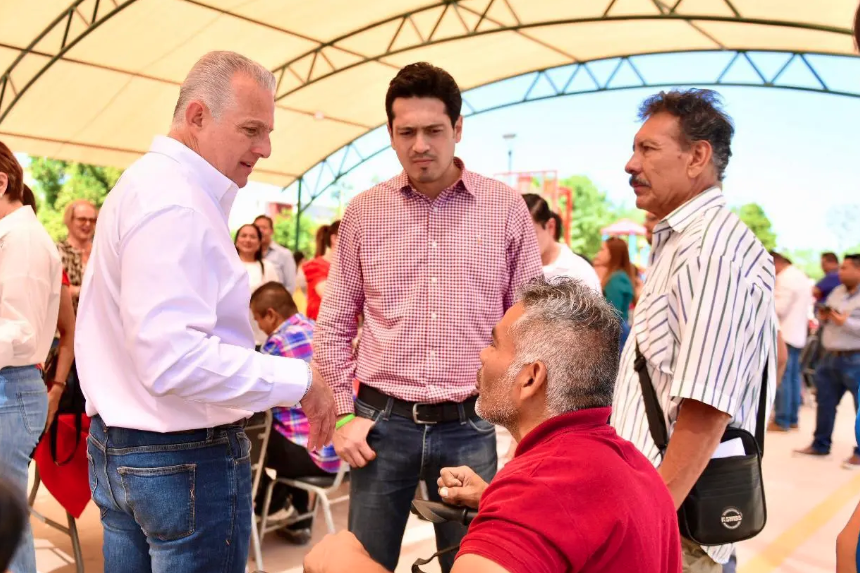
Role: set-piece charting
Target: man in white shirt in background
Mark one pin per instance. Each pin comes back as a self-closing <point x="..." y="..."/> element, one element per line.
<point x="793" y="301"/>
<point x="279" y="256"/>
<point x="164" y="349"/>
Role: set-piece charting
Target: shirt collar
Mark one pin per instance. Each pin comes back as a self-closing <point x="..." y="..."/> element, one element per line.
<point x="297" y="319"/>
<point x="578" y="421"/>
<point x="19" y="216"/>
<point x="467" y="181"/>
<point x="218" y="185"/>
<point x="681" y="218"/>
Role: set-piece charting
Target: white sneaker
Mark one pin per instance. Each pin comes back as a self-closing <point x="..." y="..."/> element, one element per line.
<point x="282" y="514"/>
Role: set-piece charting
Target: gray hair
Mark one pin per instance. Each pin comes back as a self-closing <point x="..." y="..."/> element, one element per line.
<point x="575" y="333"/>
<point x="210" y="80"/>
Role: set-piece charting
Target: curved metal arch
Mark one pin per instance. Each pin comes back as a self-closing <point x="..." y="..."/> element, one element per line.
<point x="318" y="55"/>
<point x="337" y="166"/>
<point x="64" y="19"/>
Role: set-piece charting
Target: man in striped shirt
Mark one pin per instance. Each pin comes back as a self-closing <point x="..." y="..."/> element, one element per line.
<point x="705" y="322"/>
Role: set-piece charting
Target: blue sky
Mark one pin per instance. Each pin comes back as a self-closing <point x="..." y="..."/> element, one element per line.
<point x="795" y="153"/>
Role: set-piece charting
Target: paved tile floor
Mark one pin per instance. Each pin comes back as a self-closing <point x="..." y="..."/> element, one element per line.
<point x="809" y="501"/>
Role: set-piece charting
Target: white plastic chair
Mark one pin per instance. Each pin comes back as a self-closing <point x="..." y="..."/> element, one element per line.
<point x="258" y="430"/>
<point x="322" y="488"/>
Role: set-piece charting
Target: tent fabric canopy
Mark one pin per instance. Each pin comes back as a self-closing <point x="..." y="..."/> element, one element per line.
<point x="94" y="80"/>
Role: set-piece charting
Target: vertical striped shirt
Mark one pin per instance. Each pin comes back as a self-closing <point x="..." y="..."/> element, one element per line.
<point x="705" y="322"/>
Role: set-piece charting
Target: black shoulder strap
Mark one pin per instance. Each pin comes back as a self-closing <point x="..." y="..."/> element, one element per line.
<point x="762" y="406"/>
<point x="656" y="419"/>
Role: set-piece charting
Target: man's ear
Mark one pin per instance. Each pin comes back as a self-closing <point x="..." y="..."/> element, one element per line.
<point x="701" y="153"/>
<point x="532" y="380"/>
<point x="194" y="114"/>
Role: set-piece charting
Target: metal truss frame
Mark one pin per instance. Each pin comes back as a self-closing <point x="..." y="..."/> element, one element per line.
<point x="103" y="10"/>
<point x="560" y="82"/>
<point x="418" y="28"/>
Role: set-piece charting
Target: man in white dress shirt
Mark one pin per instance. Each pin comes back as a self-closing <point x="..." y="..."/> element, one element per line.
<point x="793" y="299"/>
<point x="165" y="351"/>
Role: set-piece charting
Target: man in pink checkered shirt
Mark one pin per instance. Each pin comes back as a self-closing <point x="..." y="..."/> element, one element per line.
<point x="432" y="258"/>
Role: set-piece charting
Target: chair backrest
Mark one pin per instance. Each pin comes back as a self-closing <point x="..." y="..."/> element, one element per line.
<point x="258" y="430"/>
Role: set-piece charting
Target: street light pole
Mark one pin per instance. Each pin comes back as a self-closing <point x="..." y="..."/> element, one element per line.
<point x="509" y="137"/>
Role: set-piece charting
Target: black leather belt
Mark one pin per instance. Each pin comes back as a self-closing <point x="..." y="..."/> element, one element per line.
<point x="841" y="353"/>
<point x="416" y="411"/>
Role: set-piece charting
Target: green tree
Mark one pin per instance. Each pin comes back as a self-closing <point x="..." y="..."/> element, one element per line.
<point x="755" y="218"/>
<point x="807" y="260"/>
<point x="591" y="212"/>
<point x="49" y="175"/>
<point x="58" y="183"/>
<point x="285" y="232"/>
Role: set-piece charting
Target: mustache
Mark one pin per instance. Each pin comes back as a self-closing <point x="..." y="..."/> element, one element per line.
<point x="634" y="180"/>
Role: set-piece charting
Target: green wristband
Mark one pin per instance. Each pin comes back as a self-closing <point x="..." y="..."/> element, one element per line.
<point x="344" y="421"/>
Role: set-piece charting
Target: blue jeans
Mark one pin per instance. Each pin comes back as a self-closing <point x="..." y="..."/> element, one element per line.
<point x="834" y="376"/>
<point x="381" y="493"/>
<point x="23" y="412"/>
<point x="787" y="401"/>
<point x="178" y="503"/>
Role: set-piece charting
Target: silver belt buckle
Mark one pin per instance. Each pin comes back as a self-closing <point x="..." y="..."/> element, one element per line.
<point x="415" y="415"/>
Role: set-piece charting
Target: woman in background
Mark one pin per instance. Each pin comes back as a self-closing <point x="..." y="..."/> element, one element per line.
<point x="30" y="277"/>
<point x="316" y="270"/>
<point x="557" y="258"/>
<point x="249" y="245"/>
<point x="618" y="278"/>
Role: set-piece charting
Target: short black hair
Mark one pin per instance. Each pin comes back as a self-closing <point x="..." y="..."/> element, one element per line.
<point x="854" y="258"/>
<point x="424" y="80"/>
<point x="701" y="118"/>
<point x="830" y="257"/>
<point x="779" y="257"/>
<point x="273" y="295"/>
<point x="267" y="218"/>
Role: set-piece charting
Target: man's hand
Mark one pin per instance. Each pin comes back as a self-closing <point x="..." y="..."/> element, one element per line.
<point x="54" y="395"/>
<point x="837" y="318"/>
<point x="318" y="406"/>
<point x="461" y="486"/>
<point x="350" y="442"/>
<point x="338" y="554"/>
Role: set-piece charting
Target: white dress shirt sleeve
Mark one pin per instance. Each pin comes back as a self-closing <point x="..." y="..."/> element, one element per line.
<point x="23" y="287"/>
<point x="168" y="304"/>
<point x="783" y="296"/>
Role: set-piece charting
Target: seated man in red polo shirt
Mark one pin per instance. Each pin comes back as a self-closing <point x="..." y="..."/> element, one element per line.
<point x="576" y="497"/>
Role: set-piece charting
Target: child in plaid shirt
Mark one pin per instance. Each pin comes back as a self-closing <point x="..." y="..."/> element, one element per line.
<point x="290" y="334"/>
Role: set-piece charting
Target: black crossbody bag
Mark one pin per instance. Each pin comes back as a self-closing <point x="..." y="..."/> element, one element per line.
<point x="726" y="504"/>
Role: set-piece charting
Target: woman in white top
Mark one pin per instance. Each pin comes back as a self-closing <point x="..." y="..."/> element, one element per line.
<point x="30" y="279"/>
<point x="557" y="258"/>
<point x="249" y="245"/>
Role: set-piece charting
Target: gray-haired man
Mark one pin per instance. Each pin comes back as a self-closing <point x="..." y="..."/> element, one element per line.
<point x="547" y="378"/>
<point x="165" y="350"/>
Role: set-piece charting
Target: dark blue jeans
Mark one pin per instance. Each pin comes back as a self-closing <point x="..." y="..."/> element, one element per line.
<point x="787" y="402"/>
<point x="177" y="503"/>
<point x="406" y="453"/>
<point x="834" y="376"/>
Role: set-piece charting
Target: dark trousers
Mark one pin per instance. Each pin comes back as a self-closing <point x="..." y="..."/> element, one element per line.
<point x="290" y="461"/>
<point x="834" y="376"/>
<point x="787" y="401"/>
<point x="407" y="453"/>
